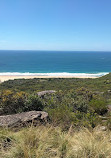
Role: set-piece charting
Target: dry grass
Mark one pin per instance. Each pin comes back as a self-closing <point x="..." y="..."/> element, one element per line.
<point x="50" y="142"/>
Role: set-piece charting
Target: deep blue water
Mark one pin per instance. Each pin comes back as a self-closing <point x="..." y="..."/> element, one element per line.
<point x="55" y="62"/>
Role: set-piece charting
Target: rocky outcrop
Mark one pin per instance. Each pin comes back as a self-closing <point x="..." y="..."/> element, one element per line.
<point x="23" y="119"/>
<point x="42" y="93"/>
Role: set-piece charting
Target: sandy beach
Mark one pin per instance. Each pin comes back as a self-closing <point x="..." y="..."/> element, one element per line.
<point x="12" y="77"/>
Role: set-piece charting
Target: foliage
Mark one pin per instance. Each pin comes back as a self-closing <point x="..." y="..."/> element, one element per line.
<point x="15" y="102"/>
<point x="12" y="102"/>
<point x="33" y="102"/>
<point x="99" y="106"/>
<point x="77" y="101"/>
<point x="61" y="116"/>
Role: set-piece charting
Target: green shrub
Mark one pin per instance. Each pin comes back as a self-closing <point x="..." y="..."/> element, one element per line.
<point x="33" y="102"/>
<point x="80" y="104"/>
<point x="15" y="102"/>
<point x="61" y="115"/>
<point x="98" y="106"/>
<point x="12" y="102"/>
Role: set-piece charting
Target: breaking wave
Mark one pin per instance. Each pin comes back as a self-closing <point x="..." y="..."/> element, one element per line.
<point x="55" y="74"/>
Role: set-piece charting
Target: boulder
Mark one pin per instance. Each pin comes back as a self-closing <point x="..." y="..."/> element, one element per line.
<point x="42" y="93"/>
<point x="109" y="108"/>
<point x="109" y="91"/>
<point x="100" y="128"/>
<point x="24" y="118"/>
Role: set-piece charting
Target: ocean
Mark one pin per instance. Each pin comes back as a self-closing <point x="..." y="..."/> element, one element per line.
<point x="61" y="63"/>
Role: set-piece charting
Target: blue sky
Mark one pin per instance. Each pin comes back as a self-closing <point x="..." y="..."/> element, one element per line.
<point x="55" y="24"/>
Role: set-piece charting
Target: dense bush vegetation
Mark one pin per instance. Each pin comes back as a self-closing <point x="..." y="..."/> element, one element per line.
<point x="14" y="102"/>
<point x="77" y="102"/>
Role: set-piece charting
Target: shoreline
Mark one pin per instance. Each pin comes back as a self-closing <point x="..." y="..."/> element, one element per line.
<point x="12" y="77"/>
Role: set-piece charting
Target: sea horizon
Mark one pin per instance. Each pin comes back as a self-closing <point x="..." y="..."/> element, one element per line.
<point x="56" y="50"/>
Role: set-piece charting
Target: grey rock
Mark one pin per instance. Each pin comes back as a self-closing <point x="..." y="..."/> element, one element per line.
<point x="109" y="91"/>
<point x="42" y="93"/>
<point x="21" y="119"/>
<point x="109" y="108"/>
<point x="101" y="128"/>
